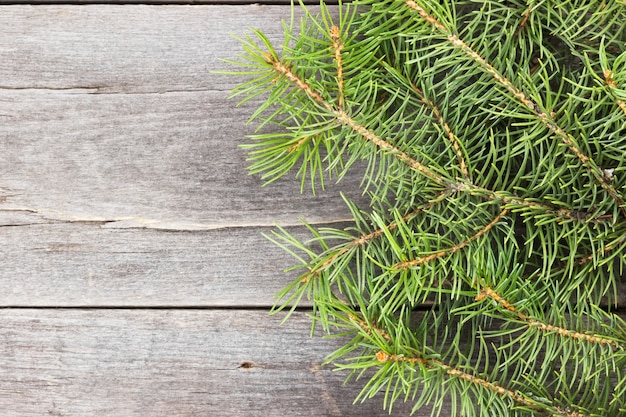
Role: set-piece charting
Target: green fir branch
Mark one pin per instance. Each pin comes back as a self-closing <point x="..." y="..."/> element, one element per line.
<point x="540" y="112"/>
<point x="493" y="135"/>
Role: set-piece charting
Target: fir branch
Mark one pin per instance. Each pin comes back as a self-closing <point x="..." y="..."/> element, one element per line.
<point x="605" y="250"/>
<point x="542" y="115"/>
<point x="440" y="366"/>
<point x="345" y="119"/>
<point x="369" y="329"/>
<point x="455" y="41"/>
<point x="447" y="252"/>
<point x="419" y="359"/>
<point x="390" y="351"/>
<point x="366" y="238"/>
<point x="454" y="141"/>
<point x="525" y="17"/>
<point x="462" y="110"/>
<point x="567" y="413"/>
<point x="488" y="292"/>
<point x="387" y="147"/>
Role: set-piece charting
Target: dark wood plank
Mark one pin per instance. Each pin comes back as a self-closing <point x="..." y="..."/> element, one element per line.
<point x="170" y="363"/>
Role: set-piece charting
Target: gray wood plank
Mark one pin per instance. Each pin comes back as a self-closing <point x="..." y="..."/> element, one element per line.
<point x="59" y="264"/>
<point x="170" y="363"/>
<point x="110" y="118"/>
<point x="111" y="121"/>
<point x="159" y="2"/>
<point x="145" y="160"/>
<point x="122" y="48"/>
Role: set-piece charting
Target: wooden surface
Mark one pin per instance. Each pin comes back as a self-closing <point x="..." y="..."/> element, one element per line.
<point x="134" y="280"/>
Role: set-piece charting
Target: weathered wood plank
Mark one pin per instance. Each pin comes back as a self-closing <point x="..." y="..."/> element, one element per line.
<point x="124" y="49"/>
<point x="110" y="118"/>
<point x="163" y="2"/>
<point x="122" y="186"/>
<point x="146" y="160"/>
<point x="154" y="147"/>
<point x="121" y="125"/>
<point x="58" y="264"/>
<point x="169" y="363"/>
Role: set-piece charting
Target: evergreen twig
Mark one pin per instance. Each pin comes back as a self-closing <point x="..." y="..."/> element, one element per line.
<point x="494" y="136"/>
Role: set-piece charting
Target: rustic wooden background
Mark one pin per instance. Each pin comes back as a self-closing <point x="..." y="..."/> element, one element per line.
<point x="134" y="280"/>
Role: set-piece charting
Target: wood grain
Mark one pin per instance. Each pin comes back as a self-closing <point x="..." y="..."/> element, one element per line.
<point x="123" y="187"/>
<point x="57" y="264"/>
<point x="168" y="161"/>
<point x="163" y="2"/>
<point x="170" y="363"/>
<point x="124" y="49"/>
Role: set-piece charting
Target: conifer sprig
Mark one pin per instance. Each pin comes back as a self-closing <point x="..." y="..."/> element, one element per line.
<point x="388" y="148"/>
<point x="535" y="109"/>
<point x="494" y="136"/>
<point x="449" y="133"/>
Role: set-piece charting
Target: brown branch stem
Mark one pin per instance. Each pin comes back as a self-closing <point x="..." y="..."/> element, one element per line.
<point x="449" y="133"/>
<point x="520" y="399"/>
<point x="610" y="82"/>
<point x="384" y="356"/>
<point x="335" y="35"/>
<point x="364" y="239"/>
<point x="605" y="250"/>
<point x="488" y="292"/>
<point x="420" y="261"/>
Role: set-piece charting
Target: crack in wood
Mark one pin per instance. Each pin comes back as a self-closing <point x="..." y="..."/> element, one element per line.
<point x="130" y="222"/>
<point x="107" y="90"/>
